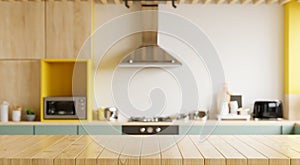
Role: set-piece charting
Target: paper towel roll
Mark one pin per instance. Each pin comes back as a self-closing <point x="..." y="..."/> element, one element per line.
<point x="4" y="111"/>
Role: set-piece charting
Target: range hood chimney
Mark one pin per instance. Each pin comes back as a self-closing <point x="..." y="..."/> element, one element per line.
<point x="150" y="54"/>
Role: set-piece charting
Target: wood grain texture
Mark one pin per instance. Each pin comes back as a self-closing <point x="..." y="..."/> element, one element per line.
<point x="112" y="150"/>
<point x="68" y="155"/>
<point x="211" y="155"/>
<point x="254" y="157"/>
<point x="25" y="157"/>
<point x="130" y="154"/>
<point x="149" y="150"/>
<point x="48" y="154"/>
<point x="89" y="155"/>
<point x="22" y="29"/>
<point x="190" y="153"/>
<point x="292" y="151"/>
<point x="275" y="158"/>
<point x="233" y="157"/>
<point x="20" y="84"/>
<point x="170" y="153"/>
<point x="68" y="26"/>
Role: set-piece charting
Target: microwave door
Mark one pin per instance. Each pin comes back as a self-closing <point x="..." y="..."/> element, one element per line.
<point x="61" y="108"/>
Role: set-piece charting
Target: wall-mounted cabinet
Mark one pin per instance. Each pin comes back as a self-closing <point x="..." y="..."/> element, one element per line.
<point x="65" y="77"/>
<point x="68" y="27"/>
<point x="22" y="29"/>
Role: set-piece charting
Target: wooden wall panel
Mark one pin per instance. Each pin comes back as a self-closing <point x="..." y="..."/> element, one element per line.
<point x="22" y="29"/>
<point x="20" y="84"/>
<point x="68" y="26"/>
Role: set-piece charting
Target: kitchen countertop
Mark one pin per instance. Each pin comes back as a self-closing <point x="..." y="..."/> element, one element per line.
<point x="208" y="122"/>
<point x="139" y="150"/>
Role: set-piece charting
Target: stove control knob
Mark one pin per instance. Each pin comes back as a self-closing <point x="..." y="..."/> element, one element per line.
<point x="142" y="129"/>
<point x="158" y="129"/>
<point x="149" y="130"/>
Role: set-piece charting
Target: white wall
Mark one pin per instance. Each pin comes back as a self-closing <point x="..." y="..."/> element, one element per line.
<point x="248" y="39"/>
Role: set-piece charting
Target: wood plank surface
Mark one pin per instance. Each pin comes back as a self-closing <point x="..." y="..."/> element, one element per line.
<point x="11" y="155"/>
<point x="211" y="155"/>
<point x="291" y="151"/>
<point x="170" y="153"/>
<point x="112" y="150"/>
<point x="89" y="155"/>
<point x="68" y="156"/>
<point x="25" y="157"/>
<point x="189" y="152"/>
<point x="275" y="158"/>
<point x="233" y="157"/>
<point x="48" y="154"/>
<point x="254" y="157"/>
<point x="130" y="154"/>
<point x="149" y="150"/>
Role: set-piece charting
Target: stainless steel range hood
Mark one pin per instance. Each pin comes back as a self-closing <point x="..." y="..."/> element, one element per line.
<point x="150" y="54"/>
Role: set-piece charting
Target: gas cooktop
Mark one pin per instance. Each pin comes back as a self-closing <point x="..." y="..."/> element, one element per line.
<point x="150" y="119"/>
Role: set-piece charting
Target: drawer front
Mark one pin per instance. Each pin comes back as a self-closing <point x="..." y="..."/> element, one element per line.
<point x="55" y="130"/>
<point x="16" y="130"/>
<point x="99" y="130"/>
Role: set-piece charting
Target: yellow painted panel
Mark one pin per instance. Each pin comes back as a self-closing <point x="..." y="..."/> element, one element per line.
<point x="292" y="48"/>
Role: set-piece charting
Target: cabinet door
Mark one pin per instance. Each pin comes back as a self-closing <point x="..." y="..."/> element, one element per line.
<point x="16" y="130"/>
<point x="22" y="29"/>
<point x="99" y="130"/>
<point x="68" y="26"/>
<point x="55" y="130"/>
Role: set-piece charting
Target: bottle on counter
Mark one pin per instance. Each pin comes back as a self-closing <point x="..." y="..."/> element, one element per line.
<point x="224" y="100"/>
<point x="4" y="111"/>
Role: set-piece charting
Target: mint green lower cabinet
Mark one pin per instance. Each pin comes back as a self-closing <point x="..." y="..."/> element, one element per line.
<point x="287" y="129"/>
<point x="56" y="130"/>
<point x="230" y="130"/>
<point x="16" y="130"/>
<point x="297" y="129"/>
<point x="100" y="130"/>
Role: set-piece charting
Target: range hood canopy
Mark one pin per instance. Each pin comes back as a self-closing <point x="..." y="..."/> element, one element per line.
<point x="150" y="54"/>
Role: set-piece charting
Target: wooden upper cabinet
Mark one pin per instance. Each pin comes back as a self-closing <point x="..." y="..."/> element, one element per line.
<point x="22" y="29"/>
<point x="68" y="28"/>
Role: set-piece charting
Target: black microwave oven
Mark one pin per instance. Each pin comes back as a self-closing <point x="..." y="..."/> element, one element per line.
<point x="65" y="108"/>
<point x="267" y="109"/>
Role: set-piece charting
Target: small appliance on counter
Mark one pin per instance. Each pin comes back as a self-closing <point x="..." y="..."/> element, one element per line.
<point x="268" y="110"/>
<point x="66" y="108"/>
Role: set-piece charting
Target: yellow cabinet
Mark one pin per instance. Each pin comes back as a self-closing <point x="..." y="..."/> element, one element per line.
<point x="22" y="29"/>
<point x="68" y="26"/>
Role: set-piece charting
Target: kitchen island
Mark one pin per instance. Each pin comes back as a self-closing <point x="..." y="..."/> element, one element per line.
<point x="139" y="150"/>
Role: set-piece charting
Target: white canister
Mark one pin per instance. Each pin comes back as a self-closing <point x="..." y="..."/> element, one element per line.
<point x="233" y="107"/>
<point x="4" y="111"/>
<point x="224" y="108"/>
<point x="16" y="115"/>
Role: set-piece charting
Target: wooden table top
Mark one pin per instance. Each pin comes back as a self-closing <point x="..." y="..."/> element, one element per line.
<point x="148" y="150"/>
